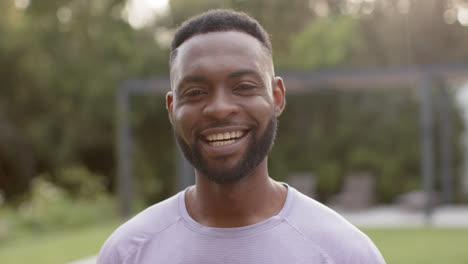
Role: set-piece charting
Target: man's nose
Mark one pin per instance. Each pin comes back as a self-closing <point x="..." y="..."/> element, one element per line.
<point x="220" y="106"/>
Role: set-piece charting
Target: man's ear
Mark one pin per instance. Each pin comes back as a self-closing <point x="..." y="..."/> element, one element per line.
<point x="279" y="95"/>
<point x="169" y="104"/>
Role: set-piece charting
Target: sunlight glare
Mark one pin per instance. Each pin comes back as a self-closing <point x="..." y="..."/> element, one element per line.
<point x="321" y="8"/>
<point x="403" y="6"/>
<point x="450" y="16"/>
<point x="462" y="16"/>
<point x="22" y="4"/>
<point x="140" y="13"/>
<point x="64" y="14"/>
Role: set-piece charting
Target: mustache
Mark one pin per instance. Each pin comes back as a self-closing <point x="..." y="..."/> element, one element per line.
<point x="218" y="124"/>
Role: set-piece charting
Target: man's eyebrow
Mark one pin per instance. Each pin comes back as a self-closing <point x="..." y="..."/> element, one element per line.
<point x="243" y="72"/>
<point x="191" y="78"/>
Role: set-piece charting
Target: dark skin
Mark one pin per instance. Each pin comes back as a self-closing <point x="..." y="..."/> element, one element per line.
<point x="226" y="78"/>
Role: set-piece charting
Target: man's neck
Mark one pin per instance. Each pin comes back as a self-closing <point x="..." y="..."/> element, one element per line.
<point x="251" y="200"/>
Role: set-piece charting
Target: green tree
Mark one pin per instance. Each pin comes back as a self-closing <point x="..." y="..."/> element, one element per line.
<point x="60" y="68"/>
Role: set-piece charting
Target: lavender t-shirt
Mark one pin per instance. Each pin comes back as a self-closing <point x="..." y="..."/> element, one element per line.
<point x="304" y="231"/>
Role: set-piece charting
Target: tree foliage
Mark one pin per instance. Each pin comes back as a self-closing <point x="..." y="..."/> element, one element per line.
<point x="60" y="69"/>
<point x="62" y="61"/>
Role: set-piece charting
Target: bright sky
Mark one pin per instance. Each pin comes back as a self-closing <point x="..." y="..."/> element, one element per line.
<point x="141" y="12"/>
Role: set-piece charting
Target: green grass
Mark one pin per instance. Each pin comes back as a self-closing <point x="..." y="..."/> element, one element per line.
<point x="398" y="246"/>
<point x="422" y="245"/>
<point x="56" y="248"/>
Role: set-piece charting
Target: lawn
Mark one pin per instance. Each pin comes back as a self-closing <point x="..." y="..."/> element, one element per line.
<point x="56" y="248"/>
<point x="422" y="245"/>
<point x="399" y="246"/>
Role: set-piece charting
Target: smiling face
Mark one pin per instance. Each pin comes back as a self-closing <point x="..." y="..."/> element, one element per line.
<point x="224" y="103"/>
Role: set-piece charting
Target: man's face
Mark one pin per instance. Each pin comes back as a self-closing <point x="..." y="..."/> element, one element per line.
<point x="224" y="104"/>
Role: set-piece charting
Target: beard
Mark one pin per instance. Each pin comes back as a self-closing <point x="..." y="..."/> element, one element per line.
<point x="257" y="150"/>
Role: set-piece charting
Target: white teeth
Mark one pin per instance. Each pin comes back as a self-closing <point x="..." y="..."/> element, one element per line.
<point x="222" y="143"/>
<point x="225" y="137"/>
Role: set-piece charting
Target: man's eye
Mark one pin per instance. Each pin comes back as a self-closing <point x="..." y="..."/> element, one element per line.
<point x="244" y="87"/>
<point x="193" y="93"/>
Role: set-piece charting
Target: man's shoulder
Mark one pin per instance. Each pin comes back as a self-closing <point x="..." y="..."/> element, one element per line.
<point x="154" y="218"/>
<point x="313" y="216"/>
<point x="339" y="239"/>
<point x="139" y="229"/>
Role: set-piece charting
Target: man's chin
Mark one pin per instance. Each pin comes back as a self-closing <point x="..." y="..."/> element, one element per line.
<point x="222" y="174"/>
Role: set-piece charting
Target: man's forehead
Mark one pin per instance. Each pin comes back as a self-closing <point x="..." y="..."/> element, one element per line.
<point x="220" y="42"/>
<point x="223" y="43"/>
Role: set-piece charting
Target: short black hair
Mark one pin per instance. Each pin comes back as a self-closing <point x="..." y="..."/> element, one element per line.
<point x="219" y="20"/>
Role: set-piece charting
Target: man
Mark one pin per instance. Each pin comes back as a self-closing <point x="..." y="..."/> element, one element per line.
<point x="223" y="106"/>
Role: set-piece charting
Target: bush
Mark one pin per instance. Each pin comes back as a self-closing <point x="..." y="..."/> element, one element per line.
<point x="329" y="179"/>
<point x="52" y="208"/>
<point x="80" y="182"/>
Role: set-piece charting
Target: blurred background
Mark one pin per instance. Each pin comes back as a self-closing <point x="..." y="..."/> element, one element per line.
<point x="377" y="102"/>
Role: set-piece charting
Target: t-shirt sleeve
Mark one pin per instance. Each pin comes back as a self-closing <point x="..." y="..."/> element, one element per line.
<point x="340" y="241"/>
<point x="108" y="253"/>
<point x="354" y="246"/>
<point x="367" y="253"/>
